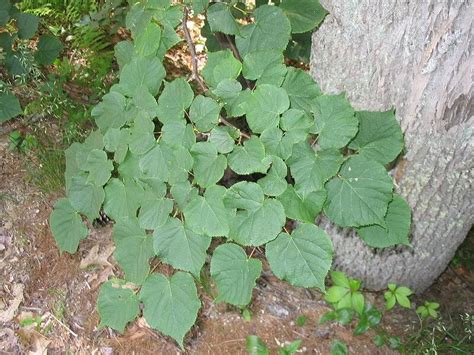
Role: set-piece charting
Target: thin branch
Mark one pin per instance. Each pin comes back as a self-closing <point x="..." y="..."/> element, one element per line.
<point x="228" y="124"/>
<point x="195" y="70"/>
<point x="192" y="50"/>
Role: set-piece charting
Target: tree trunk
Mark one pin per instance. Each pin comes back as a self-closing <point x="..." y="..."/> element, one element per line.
<point x="414" y="56"/>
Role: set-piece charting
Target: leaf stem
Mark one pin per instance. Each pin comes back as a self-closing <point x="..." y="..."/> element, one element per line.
<point x="195" y="70"/>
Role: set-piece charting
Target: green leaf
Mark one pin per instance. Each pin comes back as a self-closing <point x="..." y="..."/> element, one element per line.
<point x="5" y="7"/>
<point x="264" y="107"/>
<point x="99" y="167"/>
<point x="142" y="72"/>
<point x="301" y="88"/>
<point x="6" y="41"/>
<point x="111" y="112"/>
<point x="244" y="195"/>
<point x="271" y="30"/>
<point x="221" y="65"/>
<point x="302" y="258"/>
<point x="223" y="138"/>
<point x="85" y="197"/>
<point x="230" y="93"/>
<point x="116" y="140"/>
<point x="169" y="38"/>
<point x="183" y="192"/>
<point x="145" y="103"/>
<point x="221" y="19"/>
<point x="155" y="162"/>
<point x="147" y="41"/>
<point x="264" y="66"/>
<point x="296" y="120"/>
<point x="302" y="209"/>
<point x="256" y="346"/>
<point x="118" y="203"/>
<point x="397" y="220"/>
<point x="179" y="246"/>
<point x="174" y="100"/>
<point x="209" y="166"/>
<point x="141" y="138"/>
<point x="340" y="279"/>
<point x="204" y="113"/>
<point x="199" y="5"/>
<point x="9" y="106"/>
<point x="178" y="134"/>
<point x="274" y="183"/>
<point x="49" y="48"/>
<point x="255" y="227"/>
<point x="403" y="300"/>
<point x="335" y="293"/>
<point x="27" y="25"/>
<point x="304" y="15"/>
<point x="117" y="305"/>
<point x="132" y="253"/>
<point x="67" y="226"/>
<point x="234" y="274"/>
<point x="154" y="211"/>
<point x="170" y="304"/>
<point x="207" y="214"/>
<point x="379" y="138"/>
<point x="359" y="195"/>
<point x="138" y="17"/>
<point x="339" y="348"/>
<point x="391" y="300"/>
<point x="312" y="169"/>
<point x="335" y="121"/>
<point x="126" y="227"/>
<point x="278" y="143"/>
<point x="249" y="158"/>
<point x="124" y="52"/>
<point x="358" y="302"/>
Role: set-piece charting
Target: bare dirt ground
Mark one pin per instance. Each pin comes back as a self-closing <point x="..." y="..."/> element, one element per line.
<point x="47" y="300"/>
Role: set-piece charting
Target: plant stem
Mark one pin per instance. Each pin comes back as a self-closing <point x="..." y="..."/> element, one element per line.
<point x="195" y="70"/>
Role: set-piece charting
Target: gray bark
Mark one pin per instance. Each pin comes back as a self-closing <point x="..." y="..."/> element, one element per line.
<point x="414" y="56"/>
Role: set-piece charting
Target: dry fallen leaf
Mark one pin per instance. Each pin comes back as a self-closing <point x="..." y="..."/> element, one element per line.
<point x="8" y="314"/>
<point x="94" y="257"/>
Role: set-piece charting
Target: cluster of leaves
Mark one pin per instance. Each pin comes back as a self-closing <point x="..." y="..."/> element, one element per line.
<point x="173" y="172"/>
<point x="256" y="346"/>
<point x="15" y="27"/>
<point x="349" y="303"/>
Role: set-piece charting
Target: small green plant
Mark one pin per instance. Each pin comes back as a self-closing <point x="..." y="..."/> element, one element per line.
<point x="339" y="348"/>
<point x="347" y="307"/>
<point x="22" y="143"/>
<point x="345" y="293"/>
<point x="16" y="28"/>
<point x="428" y="309"/>
<point x="397" y="294"/>
<point x="256" y="346"/>
<point x="254" y="145"/>
<point x="301" y="321"/>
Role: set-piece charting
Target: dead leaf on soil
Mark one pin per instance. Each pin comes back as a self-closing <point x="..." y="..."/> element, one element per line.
<point x="8" y="314"/>
<point x="98" y="279"/>
<point x="94" y="257"/>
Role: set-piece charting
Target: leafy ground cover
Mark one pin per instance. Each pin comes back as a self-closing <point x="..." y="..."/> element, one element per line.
<point x="53" y="296"/>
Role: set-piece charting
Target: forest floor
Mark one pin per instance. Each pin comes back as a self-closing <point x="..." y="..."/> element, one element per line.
<point x="47" y="300"/>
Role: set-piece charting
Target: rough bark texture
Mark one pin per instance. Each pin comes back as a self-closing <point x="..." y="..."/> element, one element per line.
<point x="414" y="56"/>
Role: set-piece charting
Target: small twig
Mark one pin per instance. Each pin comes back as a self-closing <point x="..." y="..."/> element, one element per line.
<point x="233" y="48"/>
<point x="192" y="50"/>
<point x="63" y="325"/>
<point x="195" y="69"/>
<point x="228" y="124"/>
